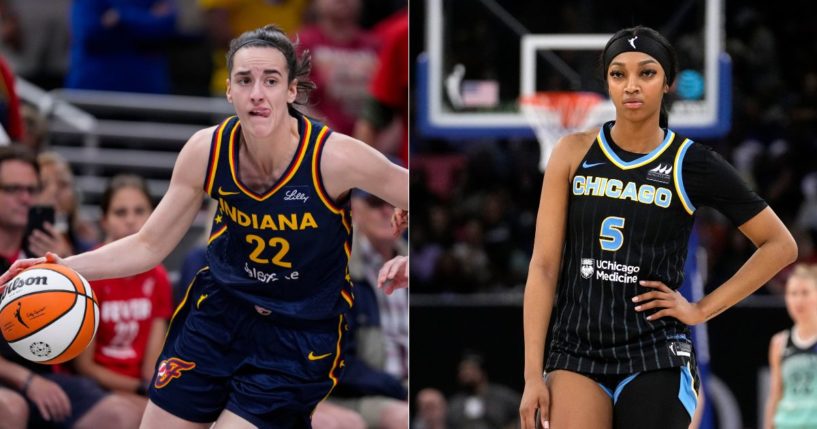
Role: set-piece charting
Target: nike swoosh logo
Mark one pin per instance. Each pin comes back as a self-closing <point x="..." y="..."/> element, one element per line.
<point x="201" y="299"/>
<point x="312" y="356"/>
<point x="586" y="165"/>
<point x="224" y="193"/>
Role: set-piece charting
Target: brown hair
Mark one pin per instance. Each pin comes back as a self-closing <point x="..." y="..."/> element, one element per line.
<point x="271" y="36"/>
<point x="124" y="181"/>
<point x="19" y="153"/>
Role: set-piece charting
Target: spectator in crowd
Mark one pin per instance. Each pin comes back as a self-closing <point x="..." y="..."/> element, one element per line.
<point x="11" y="120"/>
<point x="376" y="360"/>
<point x="54" y="400"/>
<point x="344" y="58"/>
<point x="35" y="39"/>
<point x="431" y="410"/>
<point x="70" y="233"/>
<point x="227" y="19"/>
<point x="36" y="127"/>
<point x="481" y="404"/>
<point x="389" y="91"/>
<point x="120" y="45"/>
<point x="134" y="311"/>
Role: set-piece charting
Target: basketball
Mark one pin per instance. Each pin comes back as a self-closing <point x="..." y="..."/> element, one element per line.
<point x="48" y="313"/>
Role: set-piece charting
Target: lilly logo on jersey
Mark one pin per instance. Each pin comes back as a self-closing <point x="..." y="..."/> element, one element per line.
<point x="170" y="369"/>
<point x="660" y="173"/>
<point x="296" y="194"/>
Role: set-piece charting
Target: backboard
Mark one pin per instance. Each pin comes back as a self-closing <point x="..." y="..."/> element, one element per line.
<point x="482" y="57"/>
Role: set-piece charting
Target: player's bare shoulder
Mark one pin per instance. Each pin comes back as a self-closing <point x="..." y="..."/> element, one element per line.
<point x="202" y="138"/>
<point x="572" y="147"/>
<point x="341" y="151"/>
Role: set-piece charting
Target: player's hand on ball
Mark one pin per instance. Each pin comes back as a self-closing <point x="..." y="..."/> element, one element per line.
<point x="21" y="264"/>
<point x="49" y="398"/>
<point x="535" y="397"/>
<point x="669" y="302"/>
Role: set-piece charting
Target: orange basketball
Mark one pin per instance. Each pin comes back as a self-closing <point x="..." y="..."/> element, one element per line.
<point x="48" y="313"/>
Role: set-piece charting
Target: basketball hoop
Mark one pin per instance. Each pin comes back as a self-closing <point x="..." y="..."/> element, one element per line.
<point x="554" y="114"/>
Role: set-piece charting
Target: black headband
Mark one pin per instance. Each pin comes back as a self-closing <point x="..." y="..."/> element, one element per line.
<point x="641" y="42"/>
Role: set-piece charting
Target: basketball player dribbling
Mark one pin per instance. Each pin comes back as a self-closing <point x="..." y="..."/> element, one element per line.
<point x="257" y="341"/>
<point x="618" y="202"/>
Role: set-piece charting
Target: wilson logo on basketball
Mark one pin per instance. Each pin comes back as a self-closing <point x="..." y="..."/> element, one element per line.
<point x="17" y="283"/>
<point x="170" y="369"/>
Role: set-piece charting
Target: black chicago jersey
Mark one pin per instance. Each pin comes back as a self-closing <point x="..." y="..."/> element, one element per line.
<point x="629" y="219"/>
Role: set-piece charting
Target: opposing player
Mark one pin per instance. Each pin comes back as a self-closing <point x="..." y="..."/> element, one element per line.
<point x="792" y="401"/>
<point x="258" y="338"/>
<point x="618" y="203"/>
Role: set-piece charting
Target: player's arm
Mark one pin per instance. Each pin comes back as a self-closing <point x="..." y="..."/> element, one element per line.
<point x="776" y="346"/>
<point x="85" y="365"/>
<point x="776" y="249"/>
<point x="544" y="268"/>
<point x="713" y="182"/>
<point x="163" y="230"/>
<point x="349" y="163"/>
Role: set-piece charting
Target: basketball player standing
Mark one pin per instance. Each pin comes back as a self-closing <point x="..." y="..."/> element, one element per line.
<point x="618" y="202"/>
<point x="257" y="341"/>
<point x="792" y="401"/>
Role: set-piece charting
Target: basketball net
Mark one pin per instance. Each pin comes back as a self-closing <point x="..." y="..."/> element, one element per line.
<point x="554" y="114"/>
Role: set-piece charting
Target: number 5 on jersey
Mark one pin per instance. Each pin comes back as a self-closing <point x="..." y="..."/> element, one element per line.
<point x="610" y="236"/>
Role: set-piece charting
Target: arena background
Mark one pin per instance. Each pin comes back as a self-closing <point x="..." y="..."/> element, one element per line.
<point x="475" y="187"/>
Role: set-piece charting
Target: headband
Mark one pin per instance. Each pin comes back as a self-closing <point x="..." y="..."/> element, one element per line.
<point x="641" y="42"/>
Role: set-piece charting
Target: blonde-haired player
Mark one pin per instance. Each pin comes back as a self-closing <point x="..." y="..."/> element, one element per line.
<point x="792" y="401"/>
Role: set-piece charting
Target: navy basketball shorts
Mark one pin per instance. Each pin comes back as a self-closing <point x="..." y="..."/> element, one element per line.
<point x="224" y="353"/>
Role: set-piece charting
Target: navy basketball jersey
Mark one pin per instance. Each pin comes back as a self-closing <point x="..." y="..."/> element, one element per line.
<point x="286" y="249"/>
<point x="627" y="221"/>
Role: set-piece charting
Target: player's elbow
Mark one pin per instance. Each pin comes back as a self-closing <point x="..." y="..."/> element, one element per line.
<point x="788" y="249"/>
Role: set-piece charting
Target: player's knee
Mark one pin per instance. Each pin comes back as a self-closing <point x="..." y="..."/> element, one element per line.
<point x="13" y="410"/>
<point x="395" y="415"/>
<point x="112" y="411"/>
